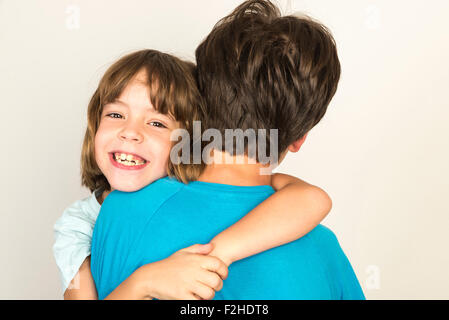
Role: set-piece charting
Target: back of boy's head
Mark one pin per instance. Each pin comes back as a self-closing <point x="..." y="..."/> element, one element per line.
<point x="259" y="70"/>
<point x="172" y="90"/>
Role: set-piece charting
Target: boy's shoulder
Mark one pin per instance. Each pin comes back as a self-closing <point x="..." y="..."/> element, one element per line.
<point x="325" y="243"/>
<point x="152" y="196"/>
<point x="328" y="247"/>
<point x="324" y="238"/>
<point x="337" y="264"/>
<point x="324" y="234"/>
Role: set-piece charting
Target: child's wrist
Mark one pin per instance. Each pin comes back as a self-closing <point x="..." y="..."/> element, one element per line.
<point x="222" y="255"/>
<point x="144" y="283"/>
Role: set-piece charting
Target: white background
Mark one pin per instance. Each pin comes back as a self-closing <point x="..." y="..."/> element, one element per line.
<point x="381" y="151"/>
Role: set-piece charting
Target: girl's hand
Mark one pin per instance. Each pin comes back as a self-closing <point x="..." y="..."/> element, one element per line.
<point x="188" y="274"/>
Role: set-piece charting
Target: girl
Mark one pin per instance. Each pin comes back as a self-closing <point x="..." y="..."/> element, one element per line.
<point x="139" y="101"/>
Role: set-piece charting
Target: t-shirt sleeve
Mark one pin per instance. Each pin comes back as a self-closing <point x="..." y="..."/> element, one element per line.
<point x="348" y="282"/>
<point x="341" y="272"/>
<point x="73" y="236"/>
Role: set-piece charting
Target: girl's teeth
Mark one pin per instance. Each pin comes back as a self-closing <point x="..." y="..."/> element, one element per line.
<point x="127" y="160"/>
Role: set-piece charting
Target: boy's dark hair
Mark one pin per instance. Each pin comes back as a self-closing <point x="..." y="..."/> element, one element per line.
<point x="259" y="70"/>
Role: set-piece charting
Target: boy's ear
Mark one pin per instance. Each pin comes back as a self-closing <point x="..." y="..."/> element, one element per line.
<point x="295" y="146"/>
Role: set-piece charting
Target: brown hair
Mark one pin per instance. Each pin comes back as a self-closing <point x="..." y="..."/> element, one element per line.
<point x="259" y="70"/>
<point x="173" y="91"/>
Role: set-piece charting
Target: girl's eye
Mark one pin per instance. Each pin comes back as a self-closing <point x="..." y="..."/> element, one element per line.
<point x="113" y="115"/>
<point x="157" y="124"/>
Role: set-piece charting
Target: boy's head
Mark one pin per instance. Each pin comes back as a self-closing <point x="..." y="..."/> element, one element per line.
<point x="141" y="98"/>
<point x="258" y="70"/>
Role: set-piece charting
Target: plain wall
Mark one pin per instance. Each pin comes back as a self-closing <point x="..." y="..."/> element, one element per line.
<point x="381" y="151"/>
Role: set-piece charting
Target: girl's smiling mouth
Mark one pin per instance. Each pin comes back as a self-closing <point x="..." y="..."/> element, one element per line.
<point x="127" y="161"/>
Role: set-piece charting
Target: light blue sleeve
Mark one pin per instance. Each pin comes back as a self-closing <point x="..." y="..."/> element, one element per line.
<point x="73" y="236"/>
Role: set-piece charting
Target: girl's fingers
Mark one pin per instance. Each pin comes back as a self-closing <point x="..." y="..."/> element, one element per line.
<point x="215" y="265"/>
<point x="212" y="280"/>
<point x="197" y="297"/>
<point x="203" y="291"/>
<point x="192" y="296"/>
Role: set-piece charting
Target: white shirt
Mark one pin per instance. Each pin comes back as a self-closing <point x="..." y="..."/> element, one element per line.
<point x="73" y="236"/>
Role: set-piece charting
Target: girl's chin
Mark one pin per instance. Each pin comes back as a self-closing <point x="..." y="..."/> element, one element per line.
<point x="128" y="188"/>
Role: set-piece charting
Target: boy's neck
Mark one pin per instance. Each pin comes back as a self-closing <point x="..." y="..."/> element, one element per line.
<point x="232" y="171"/>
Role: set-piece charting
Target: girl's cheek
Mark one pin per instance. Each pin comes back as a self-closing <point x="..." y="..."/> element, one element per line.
<point x="165" y="151"/>
<point x="164" y="143"/>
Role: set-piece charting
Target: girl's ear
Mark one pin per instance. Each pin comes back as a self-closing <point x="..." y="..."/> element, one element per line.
<point x="295" y="146"/>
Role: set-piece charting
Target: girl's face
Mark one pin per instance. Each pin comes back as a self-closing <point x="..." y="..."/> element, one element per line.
<point x="131" y="129"/>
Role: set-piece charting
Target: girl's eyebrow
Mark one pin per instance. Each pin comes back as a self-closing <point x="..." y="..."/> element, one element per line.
<point x="117" y="101"/>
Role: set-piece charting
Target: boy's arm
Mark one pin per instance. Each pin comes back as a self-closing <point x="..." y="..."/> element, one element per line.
<point x="291" y="212"/>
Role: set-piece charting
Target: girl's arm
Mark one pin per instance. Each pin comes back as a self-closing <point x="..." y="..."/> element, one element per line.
<point x="188" y="274"/>
<point x="180" y="276"/>
<point x="82" y="286"/>
<point x="291" y="212"/>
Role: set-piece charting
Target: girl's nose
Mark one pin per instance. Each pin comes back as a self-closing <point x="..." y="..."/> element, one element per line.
<point x="130" y="134"/>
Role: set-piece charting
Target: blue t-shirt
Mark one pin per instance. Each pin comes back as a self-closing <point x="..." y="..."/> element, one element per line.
<point x="137" y="228"/>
